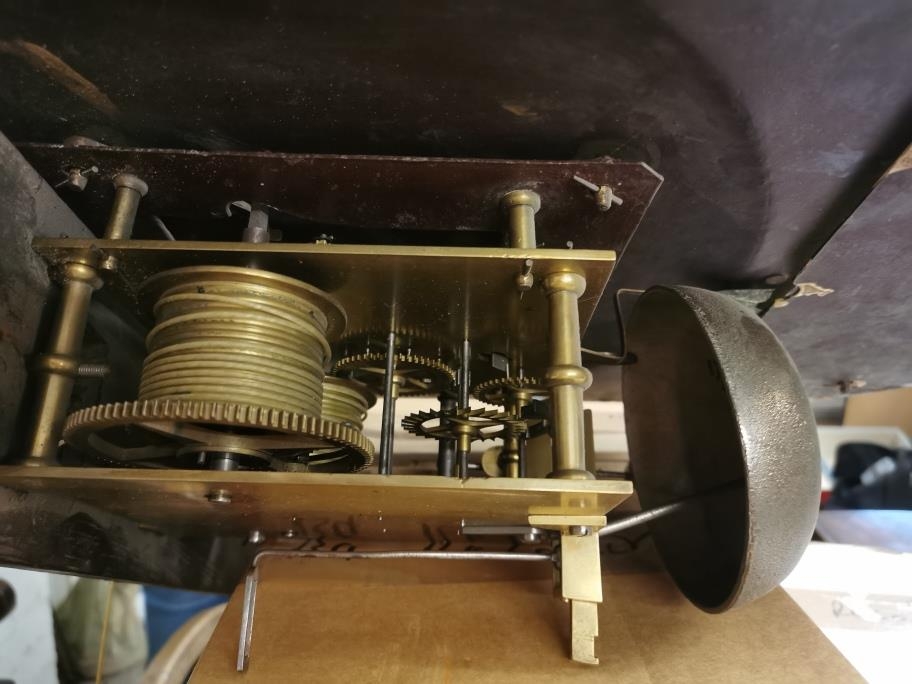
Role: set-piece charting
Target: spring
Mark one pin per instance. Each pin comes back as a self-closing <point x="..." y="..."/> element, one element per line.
<point x="241" y="335"/>
<point x="346" y="401"/>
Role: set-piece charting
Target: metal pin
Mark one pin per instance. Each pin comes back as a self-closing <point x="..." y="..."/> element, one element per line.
<point x="604" y="195"/>
<point x="446" y="449"/>
<point x="661" y="511"/>
<point x="385" y="464"/>
<point x="640" y="518"/>
<point x="77" y="179"/>
<point x="252" y="579"/>
<point x="465" y="374"/>
<point x="257" y="230"/>
<point x="250" y="587"/>
<point x="463" y="447"/>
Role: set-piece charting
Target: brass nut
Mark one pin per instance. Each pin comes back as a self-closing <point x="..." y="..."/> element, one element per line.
<point x="568" y="375"/>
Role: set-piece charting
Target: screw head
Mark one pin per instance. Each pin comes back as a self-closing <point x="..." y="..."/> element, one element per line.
<point x="220" y="496"/>
<point x="532" y="537"/>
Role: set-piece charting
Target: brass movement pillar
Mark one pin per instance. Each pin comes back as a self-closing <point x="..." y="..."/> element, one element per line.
<point x="521" y="207"/>
<point x="128" y="191"/>
<point x="59" y="365"/>
<point x="566" y="377"/>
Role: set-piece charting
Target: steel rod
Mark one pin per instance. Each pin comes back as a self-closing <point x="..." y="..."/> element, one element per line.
<point x="405" y="555"/>
<point x="250" y="587"/>
<point x="642" y="517"/>
<point x="385" y="466"/>
<point x="252" y="580"/>
<point x="464" y="443"/>
<point x="661" y="511"/>
<point x="522" y="456"/>
<point x="465" y="378"/>
<point x="446" y="449"/>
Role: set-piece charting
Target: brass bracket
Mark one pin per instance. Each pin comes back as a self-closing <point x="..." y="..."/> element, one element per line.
<point x="580" y="577"/>
<point x="565" y="524"/>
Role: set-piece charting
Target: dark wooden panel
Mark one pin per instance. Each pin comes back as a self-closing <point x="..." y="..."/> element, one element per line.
<point x="386" y="194"/>
<point x="858" y="336"/>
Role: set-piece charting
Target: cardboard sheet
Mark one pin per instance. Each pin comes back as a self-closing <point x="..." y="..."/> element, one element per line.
<point x="454" y="621"/>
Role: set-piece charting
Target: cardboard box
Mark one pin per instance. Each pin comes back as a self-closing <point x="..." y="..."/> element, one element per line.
<point x="470" y="621"/>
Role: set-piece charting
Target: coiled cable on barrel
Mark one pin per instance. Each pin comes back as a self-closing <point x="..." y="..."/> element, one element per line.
<point x="253" y="338"/>
<point x="346" y="401"/>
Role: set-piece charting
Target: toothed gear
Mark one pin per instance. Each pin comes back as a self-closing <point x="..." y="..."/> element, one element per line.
<point x="193" y="420"/>
<point x="417" y="375"/>
<point x="495" y="391"/>
<point x="451" y="424"/>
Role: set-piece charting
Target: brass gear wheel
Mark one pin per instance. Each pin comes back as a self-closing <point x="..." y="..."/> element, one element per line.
<point x="183" y="422"/>
<point x="495" y="391"/>
<point x="417" y="375"/>
<point x="479" y="424"/>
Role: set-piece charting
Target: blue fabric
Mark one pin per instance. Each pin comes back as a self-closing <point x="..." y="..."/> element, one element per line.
<point x="168" y="609"/>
